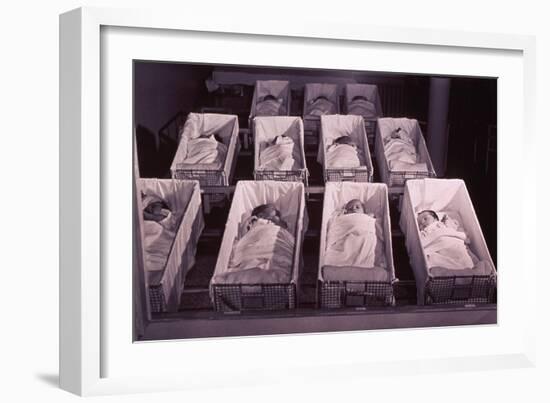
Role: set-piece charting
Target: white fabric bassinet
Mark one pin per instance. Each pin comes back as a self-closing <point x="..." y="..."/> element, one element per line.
<point x="266" y="129"/>
<point x="197" y="124"/>
<point x="279" y="89"/>
<point x="393" y="178"/>
<point x="370" y="93"/>
<point x="289" y="199"/>
<point x="183" y="197"/>
<point x="334" y="126"/>
<point x="337" y="284"/>
<point x="440" y="195"/>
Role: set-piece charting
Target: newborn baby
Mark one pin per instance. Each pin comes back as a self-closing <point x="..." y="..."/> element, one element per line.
<point x="279" y="154"/>
<point x="344" y="153"/>
<point x="400" y="134"/>
<point x="269" y="105"/>
<point x="270" y="213"/>
<point x="429" y="221"/>
<point x="321" y="106"/>
<point x="154" y="209"/>
<point x="353" y="239"/>
<point x="443" y="243"/>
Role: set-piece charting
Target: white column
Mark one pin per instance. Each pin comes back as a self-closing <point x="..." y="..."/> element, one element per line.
<point x="437" y="123"/>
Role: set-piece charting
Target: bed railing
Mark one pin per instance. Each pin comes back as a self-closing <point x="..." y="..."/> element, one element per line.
<point x="461" y="290"/>
<point x="172" y="128"/>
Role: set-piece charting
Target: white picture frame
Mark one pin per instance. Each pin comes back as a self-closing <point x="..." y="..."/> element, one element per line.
<point x="85" y="349"/>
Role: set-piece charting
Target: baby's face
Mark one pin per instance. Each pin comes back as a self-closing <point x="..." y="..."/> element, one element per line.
<point x="425" y="219"/>
<point x="354" y="206"/>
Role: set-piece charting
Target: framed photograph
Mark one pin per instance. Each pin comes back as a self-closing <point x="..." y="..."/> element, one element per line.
<point x="252" y="198"/>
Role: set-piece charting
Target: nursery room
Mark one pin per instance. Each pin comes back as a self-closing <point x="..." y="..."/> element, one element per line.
<point x="273" y="200"/>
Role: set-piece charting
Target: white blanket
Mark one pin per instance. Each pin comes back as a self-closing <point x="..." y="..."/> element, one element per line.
<point x="321" y="106"/>
<point x="265" y="247"/>
<point x="206" y="150"/>
<point x="157" y="241"/>
<point x="344" y="156"/>
<point x="445" y="247"/>
<point x="354" y="240"/>
<point x="271" y="107"/>
<point x="279" y="156"/>
<point x="363" y="108"/>
<point x="401" y="155"/>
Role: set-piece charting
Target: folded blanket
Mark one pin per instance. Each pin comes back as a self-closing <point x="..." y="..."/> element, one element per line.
<point x="279" y="156"/>
<point x="263" y="255"/>
<point x="363" y="108"/>
<point x="445" y="247"/>
<point x="321" y="106"/>
<point x="354" y="240"/>
<point x="344" y="156"/>
<point x="206" y="150"/>
<point x="271" y="107"/>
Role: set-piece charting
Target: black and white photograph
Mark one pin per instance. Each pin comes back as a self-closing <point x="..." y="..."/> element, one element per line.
<point x="278" y="200"/>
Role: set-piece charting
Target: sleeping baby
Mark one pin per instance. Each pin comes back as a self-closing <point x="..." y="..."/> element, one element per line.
<point x="264" y="251"/>
<point x="207" y="148"/>
<point x="159" y="229"/>
<point x="270" y="105"/>
<point x="279" y="154"/>
<point x="344" y="153"/>
<point x="353" y="238"/>
<point x="400" y="152"/>
<point x="321" y="106"/>
<point x="443" y="242"/>
<point x="361" y="106"/>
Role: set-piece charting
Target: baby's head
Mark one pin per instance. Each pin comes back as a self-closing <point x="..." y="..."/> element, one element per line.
<point x="269" y="97"/>
<point x="268" y="212"/>
<point x="345" y="140"/>
<point x="396" y="134"/>
<point x="425" y="218"/>
<point x="217" y="136"/>
<point x="359" y="98"/>
<point x="354" y="206"/>
<point x="319" y="98"/>
<point x="155" y="210"/>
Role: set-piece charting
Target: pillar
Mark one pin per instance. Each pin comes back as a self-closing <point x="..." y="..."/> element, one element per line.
<point x="437" y="123"/>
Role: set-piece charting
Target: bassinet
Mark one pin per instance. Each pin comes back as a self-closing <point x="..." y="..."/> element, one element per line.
<point x="279" y="89"/>
<point x="366" y="287"/>
<point x="468" y="285"/>
<point x="334" y="126"/>
<point x="265" y="130"/>
<point x="289" y="198"/>
<point x="166" y="285"/>
<point x="313" y="91"/>
<point x="227" y="127"/>
<point x="370" y="94"/>
<point x="396" y="179"/>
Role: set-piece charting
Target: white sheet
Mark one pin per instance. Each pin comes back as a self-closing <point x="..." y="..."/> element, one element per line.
<point x="344" y="156"/>
<point x="374" y="197"/>
<point x="353" y="240"/>
<point x="440" y="195"/>
<point x="206" y="150"/>
<point x="280" y="155"/>
<point x="264" y="254"/>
